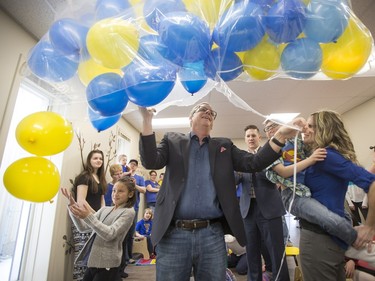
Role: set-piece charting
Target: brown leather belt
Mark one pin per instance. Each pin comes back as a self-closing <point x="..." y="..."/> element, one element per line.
<point x="193" y="224"/>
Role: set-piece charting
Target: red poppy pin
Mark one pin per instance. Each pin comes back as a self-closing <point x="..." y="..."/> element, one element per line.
<point x="222" y="149"/>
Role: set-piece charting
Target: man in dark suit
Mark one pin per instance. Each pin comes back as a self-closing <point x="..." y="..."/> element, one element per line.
<point x="262" y="211"/>
<point x="197" y="204"/>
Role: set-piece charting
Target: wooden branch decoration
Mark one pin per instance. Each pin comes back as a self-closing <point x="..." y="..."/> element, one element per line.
<point x="81" y="143"/>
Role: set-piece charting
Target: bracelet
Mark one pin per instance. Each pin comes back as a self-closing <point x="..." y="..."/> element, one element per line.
<point x="277" y="142"/>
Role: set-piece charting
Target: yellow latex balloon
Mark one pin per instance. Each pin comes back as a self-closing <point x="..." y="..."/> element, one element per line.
<point x="262" y="61"/>
<point x="140" y="20"/>
<point x="209" y="10"/>
<point x="345" y="58"/>
<point x="306" y="2"/>
<point x="241" y="55"/>
<point x="44" y="133"/>
<point x="34" y="179"/>
<point x="89" y="69"/>
<point x="113" y="42"/>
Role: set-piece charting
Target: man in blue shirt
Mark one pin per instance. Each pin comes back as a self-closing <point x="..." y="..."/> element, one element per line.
<point x="197" y="204"/>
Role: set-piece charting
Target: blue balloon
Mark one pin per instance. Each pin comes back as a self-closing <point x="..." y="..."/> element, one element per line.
<point x="226" y="65"/>
<point x="68" y="36"/>
<point x="150" y="82"/>
<point x="154" y="11"/>
<point x="192" y="76"/>
<point x="111" y="8"/>
<point x="100" y="122"/>
<point x="326" y="20"/>
<point x="239" y="28"/>
<point x="50" y="64"/>
<point x="193" y="86"/>
<point x="150" y="48"/>
<point x="285" y="20"/>
<point x="264" y="4"/>
<point x="106" y="94"/>
<point x="302" y="58"/>
<point x="186" y="35"/>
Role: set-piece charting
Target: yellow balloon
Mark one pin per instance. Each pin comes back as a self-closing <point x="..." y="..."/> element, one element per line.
<point x="113" y="42"/>
<point x="89" y="69"/>
<point x="140" y="20"/>
<point x="262" y="61"/>
<point x="34" y="179"/>
<point x="209" y="10"/>
<point x="306" y="2"/>
<point x="345" y="58"/>
<point x="241" y="55"/>
<point x="44" y="133"/>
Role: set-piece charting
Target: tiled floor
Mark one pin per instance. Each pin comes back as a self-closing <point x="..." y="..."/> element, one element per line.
<point x="147" y="273"/>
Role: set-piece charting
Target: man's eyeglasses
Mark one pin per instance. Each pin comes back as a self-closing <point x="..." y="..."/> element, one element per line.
<point x="270" y="127"/>
<point x="213" y="113"/>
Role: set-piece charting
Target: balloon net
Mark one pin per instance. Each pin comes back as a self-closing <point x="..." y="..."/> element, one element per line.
<point x="128" y="53"/>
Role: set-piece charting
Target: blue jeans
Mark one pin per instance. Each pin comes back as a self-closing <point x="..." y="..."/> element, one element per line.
<point x="314" y="212"/>
<point x="202" y="250"/>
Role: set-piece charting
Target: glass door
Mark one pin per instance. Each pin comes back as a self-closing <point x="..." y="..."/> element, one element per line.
<point x="16" y="214"/>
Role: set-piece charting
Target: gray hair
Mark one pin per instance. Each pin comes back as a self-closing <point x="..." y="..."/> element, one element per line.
<point x="195" y="108"/>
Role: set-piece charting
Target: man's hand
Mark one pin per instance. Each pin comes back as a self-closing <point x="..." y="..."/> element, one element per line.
<point x="147" y="115"/>
<point x="291" y="130"/>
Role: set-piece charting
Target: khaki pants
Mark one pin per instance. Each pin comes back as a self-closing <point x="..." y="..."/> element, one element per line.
<point x="321" y="258"/>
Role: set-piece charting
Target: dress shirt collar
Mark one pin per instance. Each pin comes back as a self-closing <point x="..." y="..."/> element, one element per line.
<point x="194" y="136"/>
<point x="255" y="150"/>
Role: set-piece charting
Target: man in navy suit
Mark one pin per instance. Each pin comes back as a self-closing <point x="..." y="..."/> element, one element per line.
<point x="262" y="211"/>
<point x="197" y="204"/>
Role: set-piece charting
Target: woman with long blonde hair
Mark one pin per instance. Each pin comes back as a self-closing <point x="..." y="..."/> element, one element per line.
<point x="322" y="255"/>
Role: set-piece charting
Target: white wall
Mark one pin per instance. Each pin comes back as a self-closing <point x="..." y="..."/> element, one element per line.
<point x="360" y="125"/>
<point x="14" y="43"/>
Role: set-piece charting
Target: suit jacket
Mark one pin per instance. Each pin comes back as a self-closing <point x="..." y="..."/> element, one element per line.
<point x="267" y="195"/>
<point x="173" y="152"/>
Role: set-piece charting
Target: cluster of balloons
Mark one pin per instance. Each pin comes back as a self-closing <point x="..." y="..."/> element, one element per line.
<point x="36" y="178"/>
<point x="136" y="50"/>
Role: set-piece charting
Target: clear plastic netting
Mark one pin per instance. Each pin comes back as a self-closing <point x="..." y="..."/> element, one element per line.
<point x="139" y="50"/>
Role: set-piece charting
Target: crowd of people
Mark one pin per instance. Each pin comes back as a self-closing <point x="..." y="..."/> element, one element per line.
<point x="212" y="195"/>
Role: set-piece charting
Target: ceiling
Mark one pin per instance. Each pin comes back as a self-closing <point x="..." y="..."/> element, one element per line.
<point x="261" y="97"/>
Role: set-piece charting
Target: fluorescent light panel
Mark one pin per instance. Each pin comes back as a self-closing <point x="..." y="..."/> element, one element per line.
<point x="282" y="117"/>
<point x="183" y="122"/>
<point x="180" y="122"/>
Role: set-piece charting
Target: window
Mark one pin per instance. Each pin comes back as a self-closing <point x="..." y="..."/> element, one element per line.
<point x="123" y="144"/>
<point x="23" y="224"/>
